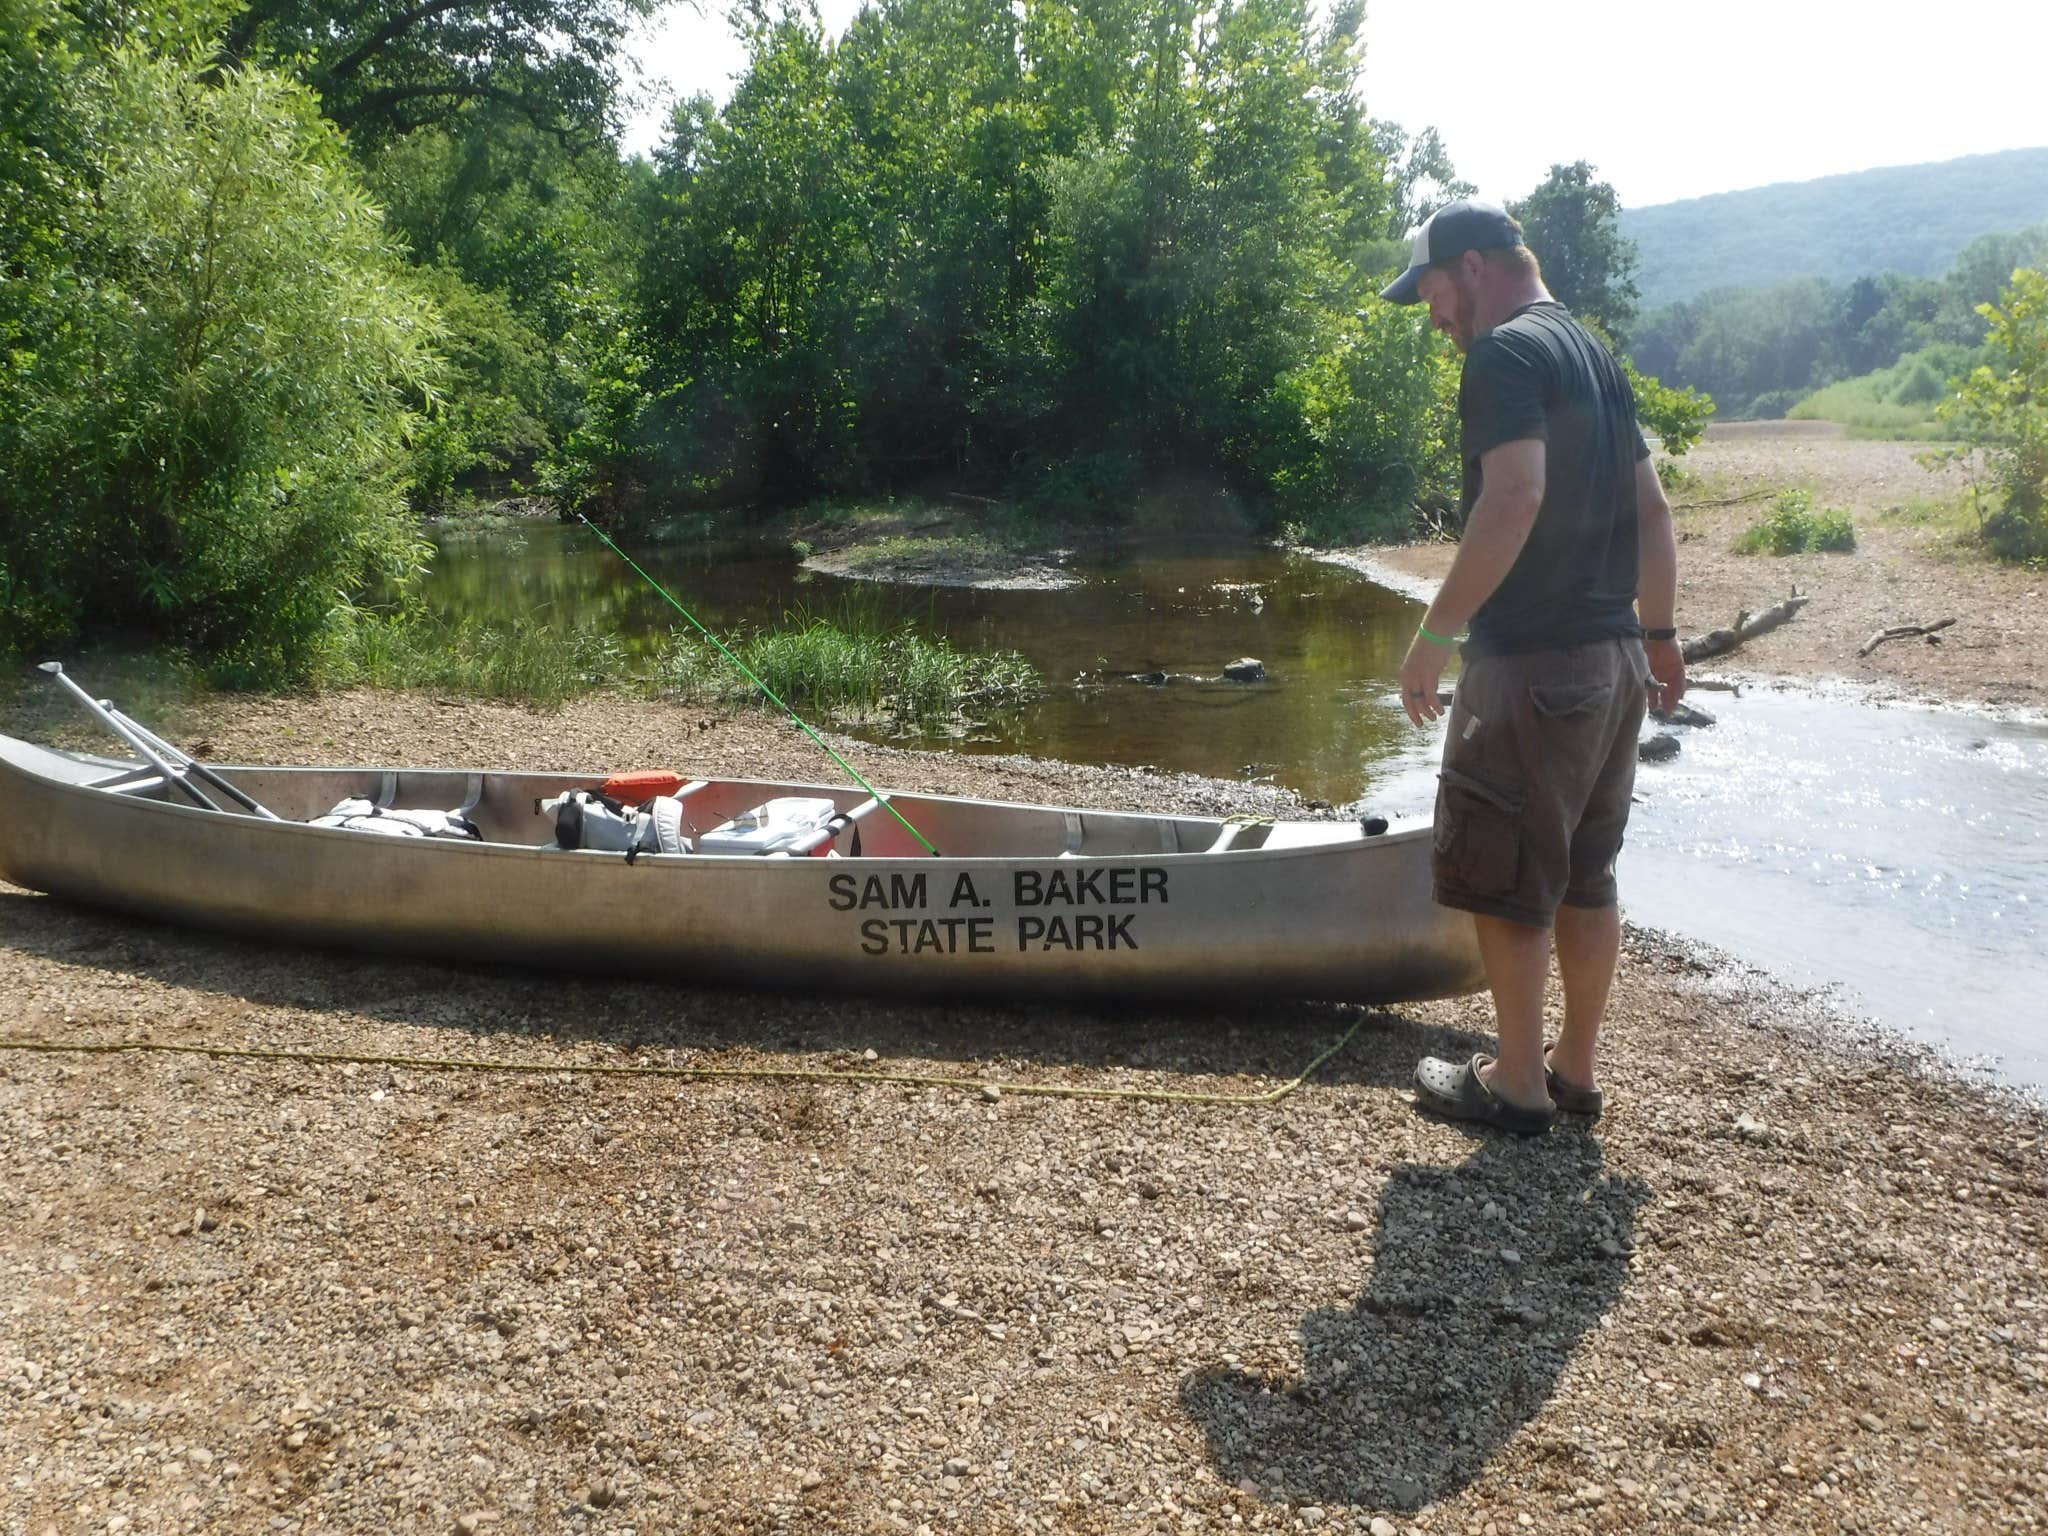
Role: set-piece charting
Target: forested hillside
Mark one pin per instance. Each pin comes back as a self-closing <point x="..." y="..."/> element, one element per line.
<point x="1910" y="219"/>
<point x="1759" y="351"/>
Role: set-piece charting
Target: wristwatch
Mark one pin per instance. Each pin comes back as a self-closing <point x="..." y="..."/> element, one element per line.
<point x="1660" y="634"/>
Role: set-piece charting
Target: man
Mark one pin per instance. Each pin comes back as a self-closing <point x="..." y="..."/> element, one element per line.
<point x="1567" y="574"/>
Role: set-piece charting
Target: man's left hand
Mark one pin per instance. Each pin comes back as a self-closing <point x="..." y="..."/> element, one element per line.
<point x="1421" y="671"/>
<point x="1667" y="674"/>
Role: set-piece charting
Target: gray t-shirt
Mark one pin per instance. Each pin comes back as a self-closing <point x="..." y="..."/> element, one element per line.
<point x="1541" y="374"/>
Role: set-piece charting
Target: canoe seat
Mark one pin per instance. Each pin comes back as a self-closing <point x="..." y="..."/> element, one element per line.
<point x="1239" y="834"/>
<point x="832" y="831"/>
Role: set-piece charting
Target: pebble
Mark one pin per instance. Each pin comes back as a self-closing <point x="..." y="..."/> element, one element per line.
<point x="1382" y="1526"/>
<point x="991" y="1092"/>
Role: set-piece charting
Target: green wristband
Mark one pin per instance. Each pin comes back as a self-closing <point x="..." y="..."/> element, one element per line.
<point x="1434" y="639"/>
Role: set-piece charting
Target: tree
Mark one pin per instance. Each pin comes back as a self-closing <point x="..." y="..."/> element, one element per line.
<point x="202" y="422"/>
<point x="1078" y="252"/>
<point x="2001" y="411"/>
<point x="1573" y="224"/>
<point x="387" y="68"/>
<point x="528" y="248"/>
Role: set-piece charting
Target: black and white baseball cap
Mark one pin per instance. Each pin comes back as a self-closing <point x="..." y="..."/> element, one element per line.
<point x="1447" y="234"/>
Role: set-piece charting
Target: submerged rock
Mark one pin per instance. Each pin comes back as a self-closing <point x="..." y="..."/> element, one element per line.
<point x="1660" y="748"/>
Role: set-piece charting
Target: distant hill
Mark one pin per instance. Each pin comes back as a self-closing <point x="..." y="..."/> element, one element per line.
<point x="1907" y="218"/>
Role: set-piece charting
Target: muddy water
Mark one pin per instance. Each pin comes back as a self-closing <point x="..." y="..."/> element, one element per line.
<point x="1899" y="855"/>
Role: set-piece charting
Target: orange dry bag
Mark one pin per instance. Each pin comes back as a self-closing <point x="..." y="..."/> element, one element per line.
<point x="638" y="788"/>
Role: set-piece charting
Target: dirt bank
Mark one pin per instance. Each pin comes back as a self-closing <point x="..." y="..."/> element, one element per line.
<point x="1904" y="570"/>
<point x="1791" y="1282"/>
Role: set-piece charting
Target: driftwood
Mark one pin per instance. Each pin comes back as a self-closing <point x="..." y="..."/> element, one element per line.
<point x="1719" y="642"/>
<point x="1902" y="632"/>
<point x="1725" y="501"/>
<point x="1712" y="684"/>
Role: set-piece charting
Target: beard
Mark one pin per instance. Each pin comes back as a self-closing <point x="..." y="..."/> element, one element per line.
<point x="1464" y="312"/>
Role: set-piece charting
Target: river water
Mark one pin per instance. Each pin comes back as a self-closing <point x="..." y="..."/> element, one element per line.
<point x="1895" y="854"/>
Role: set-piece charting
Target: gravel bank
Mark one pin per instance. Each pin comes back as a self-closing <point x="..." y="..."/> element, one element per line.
<point x="1791" y="1282"/>
<point x="1901" y="572"/>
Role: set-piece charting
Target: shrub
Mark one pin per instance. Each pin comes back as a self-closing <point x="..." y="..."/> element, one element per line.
<point x="1793" y="527"/>
<point x="1674" y="476"/>
<point x="203" y="413"/>
<point x="1919" y="385"/>
<point x="1773" y="405"/>
<point x="2001" y="412"/>
<point x="1675" y="417"/>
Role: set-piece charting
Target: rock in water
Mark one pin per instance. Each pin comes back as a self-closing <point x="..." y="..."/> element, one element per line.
<point x="1660" y="748"/>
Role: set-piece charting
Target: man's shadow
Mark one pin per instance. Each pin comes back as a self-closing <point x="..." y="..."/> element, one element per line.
<point x="1469" y="1319"/>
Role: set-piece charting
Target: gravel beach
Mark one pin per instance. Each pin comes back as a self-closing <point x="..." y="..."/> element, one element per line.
<point x="1791" y="1282"/>
<point x="1904" y="570"/>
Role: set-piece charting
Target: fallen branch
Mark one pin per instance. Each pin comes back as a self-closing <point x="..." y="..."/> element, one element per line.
<point x="1719" y="642"/>
<point x="1714" y="684"/>
<point x="1902" y="632"/>
<point x="1725" y="501"/>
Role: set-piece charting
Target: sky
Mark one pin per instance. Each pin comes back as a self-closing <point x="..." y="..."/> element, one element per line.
<point x="1667" y="102"/>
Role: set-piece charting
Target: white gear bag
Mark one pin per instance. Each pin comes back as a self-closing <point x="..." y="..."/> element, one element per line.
<point x="359" y="815"/>
<point x="585" y="819"/>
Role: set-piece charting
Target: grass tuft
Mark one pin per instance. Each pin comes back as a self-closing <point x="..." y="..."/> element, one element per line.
<point x="852" y="666"/>
<point x="1792" y="527"/>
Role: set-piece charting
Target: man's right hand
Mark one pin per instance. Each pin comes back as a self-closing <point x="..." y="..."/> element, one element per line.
<point x="1667" y="674"/>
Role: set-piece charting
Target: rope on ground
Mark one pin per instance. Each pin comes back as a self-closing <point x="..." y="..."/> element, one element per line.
<point x="757" y="1074"/>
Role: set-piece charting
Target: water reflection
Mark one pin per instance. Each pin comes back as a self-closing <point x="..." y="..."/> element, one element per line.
<point x="1331" y="643"/>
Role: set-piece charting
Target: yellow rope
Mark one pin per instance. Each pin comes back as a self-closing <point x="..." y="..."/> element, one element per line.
<point x="774" y="1074"/>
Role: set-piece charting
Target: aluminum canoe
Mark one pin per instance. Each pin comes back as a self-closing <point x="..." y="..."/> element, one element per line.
<point x="1022" y="900"/>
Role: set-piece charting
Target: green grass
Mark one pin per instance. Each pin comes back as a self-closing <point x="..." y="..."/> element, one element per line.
<point x="1856" y="405"/>
<point x="855" y="665"/>
<point x="1895" y="402"/>
<point x="850" y="666"/>
<point x="1792" y="527"/>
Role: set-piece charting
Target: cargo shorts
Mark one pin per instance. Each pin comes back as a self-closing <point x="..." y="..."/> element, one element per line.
<point x="1538" y="769"/>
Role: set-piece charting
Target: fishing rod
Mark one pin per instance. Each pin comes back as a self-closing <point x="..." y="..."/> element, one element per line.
<point x="767" y="692"/>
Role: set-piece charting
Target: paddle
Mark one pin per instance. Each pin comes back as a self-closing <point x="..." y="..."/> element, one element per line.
<point x="155" y="750"/>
